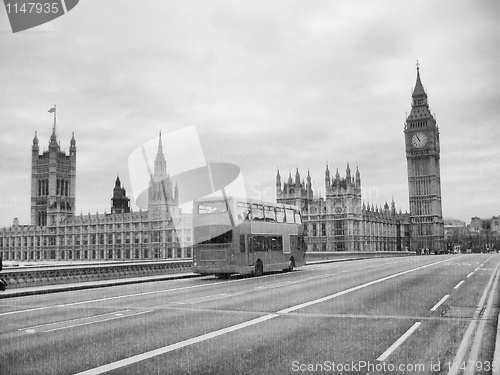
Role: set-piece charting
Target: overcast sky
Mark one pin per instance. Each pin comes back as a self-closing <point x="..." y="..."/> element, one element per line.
<point x="267" y="84"/>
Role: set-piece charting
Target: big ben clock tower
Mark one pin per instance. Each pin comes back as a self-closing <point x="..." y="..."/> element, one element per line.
<point x="424" y="181"/>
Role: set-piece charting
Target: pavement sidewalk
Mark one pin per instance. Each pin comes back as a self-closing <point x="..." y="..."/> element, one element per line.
<point x="45" y="289"/>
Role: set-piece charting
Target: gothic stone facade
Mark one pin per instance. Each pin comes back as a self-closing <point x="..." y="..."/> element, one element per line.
<point x="339" y="221"/>
<point x="424" y="176"/>
<point x="56" y="233"/>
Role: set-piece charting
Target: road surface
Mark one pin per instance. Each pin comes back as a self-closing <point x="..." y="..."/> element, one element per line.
<point x="392" y="315"/>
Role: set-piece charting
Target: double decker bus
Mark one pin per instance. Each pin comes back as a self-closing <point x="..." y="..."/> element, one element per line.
<point x="245" y="236"/>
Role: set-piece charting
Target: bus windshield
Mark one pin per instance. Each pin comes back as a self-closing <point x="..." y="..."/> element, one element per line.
<point x="226" y="237"/>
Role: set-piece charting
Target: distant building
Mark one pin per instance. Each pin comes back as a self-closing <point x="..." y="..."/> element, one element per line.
<point x="56" y="233"/>
<point x="454" y="228"/>
<point x="495" y="226"/>
<point x="484" y="227"/>
<point x="484" y="234"/>
<point x="340" y="221"/>
<point x="477" y="225"/>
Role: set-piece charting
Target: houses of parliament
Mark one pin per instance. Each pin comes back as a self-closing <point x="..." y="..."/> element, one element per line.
<point x="339" y="221"/>
<point x="56" y="233"/>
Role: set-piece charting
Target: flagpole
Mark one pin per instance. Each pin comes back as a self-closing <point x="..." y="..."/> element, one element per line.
<point x="54" y="118"/>
<point x="50" y="111"/>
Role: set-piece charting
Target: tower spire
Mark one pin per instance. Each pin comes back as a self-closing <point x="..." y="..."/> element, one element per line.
<point x="419" y="88"/>
<point x="160" y="145"/>
<point x="160" y="166"/>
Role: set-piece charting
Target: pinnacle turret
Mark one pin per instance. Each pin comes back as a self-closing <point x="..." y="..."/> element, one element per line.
<point x="35" y="147"/>
<point x="160" y="168"/>
<point x="297" y="177"/>
<point x="419" y="88"/>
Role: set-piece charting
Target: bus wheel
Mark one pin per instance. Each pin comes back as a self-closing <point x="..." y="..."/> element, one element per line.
<point x="259" y="269"/>
<point x="222" y="275"/>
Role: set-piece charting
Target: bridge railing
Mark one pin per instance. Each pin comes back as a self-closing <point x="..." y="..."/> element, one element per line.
<point x="49" y="275"/>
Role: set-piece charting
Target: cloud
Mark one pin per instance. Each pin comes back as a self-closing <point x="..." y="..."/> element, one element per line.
<point x="268" y="84"/>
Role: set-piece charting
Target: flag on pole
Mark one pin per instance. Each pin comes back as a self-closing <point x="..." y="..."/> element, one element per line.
<point x="52" y="110"/>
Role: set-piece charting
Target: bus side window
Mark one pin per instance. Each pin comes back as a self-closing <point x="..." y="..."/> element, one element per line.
<point x="258" y="243"/>
<point x="280" y="215"/>
<point x="242" y="243"/>
<point x="250" y="244"/>
<point x="243" y="211"/>
<point x="271" y="243"/>
<point x="278" y="244"/>
<point x="270" y="213"/>
<point x="298" y="218"/>
<point x="289" y="215"/>
<point x="257" y="212"/>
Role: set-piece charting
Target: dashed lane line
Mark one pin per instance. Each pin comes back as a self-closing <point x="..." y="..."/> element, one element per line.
<point x="70" y="320"/>
<point x="78" y="322"/>
<point x="435" y="307"/>
<point x="471" y="334"/>
<point x="98" y="321"/>
<point x="398" y="342"/>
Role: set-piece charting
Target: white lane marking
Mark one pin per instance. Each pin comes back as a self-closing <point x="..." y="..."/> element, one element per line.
<point x="172" y="347"/>
<point x="321" y="276"/>
<point x="465" y="345"/>
<point x="458" y="285"/>
<point x="97" y="321"/>
<point x="338" y="294"/>
<point x="276" y="285"/>
<point x="181" y="344"/>
<point x="109" y="298"/>
<point x="470" y="274"/>
<point x="435" y="307"/>
<point x="71" y="320"/>
<point x="394" y="346"/>
<point x="202" y="299"/>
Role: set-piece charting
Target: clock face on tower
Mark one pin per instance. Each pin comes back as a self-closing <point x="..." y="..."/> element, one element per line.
<point x="419" y="140"/>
